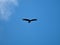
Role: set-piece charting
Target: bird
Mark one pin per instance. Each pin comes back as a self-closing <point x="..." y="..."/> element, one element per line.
<point x="29" y="20"/>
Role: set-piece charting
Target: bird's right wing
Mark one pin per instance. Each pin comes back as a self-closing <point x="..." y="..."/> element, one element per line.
<point x="25" y="19"/>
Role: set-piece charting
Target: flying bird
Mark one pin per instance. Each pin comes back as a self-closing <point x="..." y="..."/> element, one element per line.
<point x="29" y="21"/>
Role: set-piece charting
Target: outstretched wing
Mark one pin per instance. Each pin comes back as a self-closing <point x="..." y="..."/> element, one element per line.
<point x="34" y="20"/>
<point x="25" y="19"/>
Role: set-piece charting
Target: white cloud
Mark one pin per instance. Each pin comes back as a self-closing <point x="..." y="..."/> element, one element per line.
<point x="6" y="7"/>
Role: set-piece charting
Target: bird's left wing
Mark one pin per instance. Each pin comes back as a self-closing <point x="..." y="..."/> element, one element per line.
<point x="34" y="20"/>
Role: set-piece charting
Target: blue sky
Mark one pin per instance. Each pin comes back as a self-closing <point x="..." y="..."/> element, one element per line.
<point x="45" y="31"/>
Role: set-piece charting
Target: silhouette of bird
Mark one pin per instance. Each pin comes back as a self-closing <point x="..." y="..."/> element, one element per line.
<point x="29" y="21"/>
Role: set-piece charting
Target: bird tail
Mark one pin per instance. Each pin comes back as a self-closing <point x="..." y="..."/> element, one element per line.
<point x="29" y="21"/>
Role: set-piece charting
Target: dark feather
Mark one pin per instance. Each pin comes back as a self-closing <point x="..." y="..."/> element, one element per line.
<point x="26" y="19"/>
<point x="34" y="20"/>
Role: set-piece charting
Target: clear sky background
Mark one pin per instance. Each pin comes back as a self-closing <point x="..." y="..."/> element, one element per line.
<point x="45" y="31"/>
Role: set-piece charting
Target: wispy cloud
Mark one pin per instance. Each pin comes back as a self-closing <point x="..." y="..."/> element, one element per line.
<point x="6" y="7"/>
